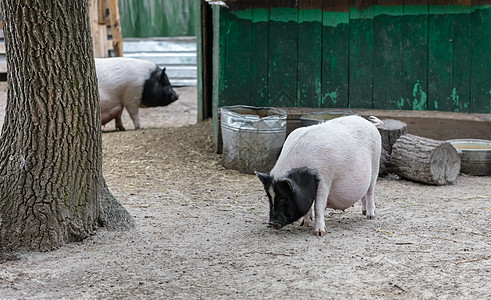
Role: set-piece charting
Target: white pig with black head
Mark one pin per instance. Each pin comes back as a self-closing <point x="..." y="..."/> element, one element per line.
<point x="330" y="165"/>
<point x="130" y="83"/>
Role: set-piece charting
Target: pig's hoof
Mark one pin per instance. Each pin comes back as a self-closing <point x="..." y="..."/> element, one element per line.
<point x="305" y="223"/>
<point x="363" y="212"/>
<point x="320" y="232"/>
<point x="370" y="217"/>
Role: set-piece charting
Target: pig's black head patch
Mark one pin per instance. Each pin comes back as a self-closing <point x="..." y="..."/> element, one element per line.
<point x="157" y="90"/>
<point x="291" y="196"/>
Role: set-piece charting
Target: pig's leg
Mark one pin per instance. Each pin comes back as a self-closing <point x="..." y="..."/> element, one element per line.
<point x="119" y="121"/>
<point x="114" y="113"/>
<point x="136" y="121"/>
<point x="320" y="207"/>
<point x="133" y="111"/>
<point x="370" y="205"/>
<point x="305" y="221"/>
<point x="368" y="201"/>
<point x="364" y="205"/>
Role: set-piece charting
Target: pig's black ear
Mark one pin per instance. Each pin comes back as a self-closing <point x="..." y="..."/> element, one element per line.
<point x="164" y="80"/>
<point x="265" y="178"/>
<point x="285" y="186"/>
<point x="303" y="184"/>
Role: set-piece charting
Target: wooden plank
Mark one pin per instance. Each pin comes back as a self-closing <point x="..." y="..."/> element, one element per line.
<point x="309" y="52"/>
<point x="259" y="55"/>
<point x="481" y="58"/>
<point x="236" y="52"/>
<point x="387" y="45"/>
<point x="218" y="70"/>
<point x="462" y="54"/>
<point x="204" y="60"/>
<point x="102" y="18"/>
<point x="202" y="63"/>
<point x="283" y="53"/>
<point x="414" y="58"/>
<point x="247" y="4"/>
<point x="335" y="53"/>
<point x="115" y="23"/>
<point x="361" y="54"/>
<point x="440" y="55"/>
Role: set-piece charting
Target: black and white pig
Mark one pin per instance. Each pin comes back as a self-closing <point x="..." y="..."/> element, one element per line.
<point x="130" y="83"/>
<point x="335" y="163"/>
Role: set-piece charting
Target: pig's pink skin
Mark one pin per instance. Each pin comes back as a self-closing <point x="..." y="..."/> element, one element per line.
<point x="346" y="154"/>
<point x="120" y="86"/>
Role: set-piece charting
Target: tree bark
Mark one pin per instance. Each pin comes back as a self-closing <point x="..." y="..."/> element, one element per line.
<point x="425" y="160"/>
<point x="51" y="186"/>
<point x="390" y="131"/>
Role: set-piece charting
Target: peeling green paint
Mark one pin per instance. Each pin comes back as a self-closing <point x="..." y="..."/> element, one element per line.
<point x="283" y="14"/>
<point x="454" y="96"/>
<point x="334" y="19"/>
<point x="400" y="103"/>
<point x="253" y="15"/>
<point x="389" y="10"/>
<point x="419" y="97"/>
<point x="331" y="96"/>
<point x="309" y="15"/>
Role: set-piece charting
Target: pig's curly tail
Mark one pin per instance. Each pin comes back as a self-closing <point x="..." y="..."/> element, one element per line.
<point x="376" y="121"/>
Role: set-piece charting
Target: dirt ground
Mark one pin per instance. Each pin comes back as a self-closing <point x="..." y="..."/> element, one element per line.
<point x="202" y="233"/>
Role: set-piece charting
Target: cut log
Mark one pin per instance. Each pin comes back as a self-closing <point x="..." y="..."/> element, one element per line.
<point x="385" y="167"/>
<point x="425" y="160"/>
<point x="390" y="132"/>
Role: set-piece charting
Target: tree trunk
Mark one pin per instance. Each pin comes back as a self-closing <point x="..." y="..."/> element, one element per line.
<point x="425" y="160"/>
<point x="51" y="186"/>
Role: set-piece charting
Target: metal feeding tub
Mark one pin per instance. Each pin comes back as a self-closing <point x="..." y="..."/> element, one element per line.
<point x="475" y="155"/>
<point x="252" y="137"/>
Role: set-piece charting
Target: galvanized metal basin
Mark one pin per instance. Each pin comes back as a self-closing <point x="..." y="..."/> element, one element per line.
<point x="475" y="155"/>
<point x="252" y="137"/>
<point x="323" y="116"/>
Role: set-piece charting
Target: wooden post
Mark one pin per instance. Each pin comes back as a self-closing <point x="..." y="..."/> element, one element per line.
<point x="115" y="23"/>
<point x="103" y="26"/>
<point x="425" y="160"/>
<point x="99" y="32"/>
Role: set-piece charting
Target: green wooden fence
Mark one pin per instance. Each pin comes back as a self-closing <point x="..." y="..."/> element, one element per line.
<point x="397" y="54"/>
<point x="158" y="18"/>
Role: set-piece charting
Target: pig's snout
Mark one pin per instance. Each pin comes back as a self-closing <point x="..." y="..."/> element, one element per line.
<point x="174" y="97"/>
<point x="275" y="225"/>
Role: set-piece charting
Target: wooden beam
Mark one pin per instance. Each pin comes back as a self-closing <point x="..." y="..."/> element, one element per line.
<point x="115" y="23"/>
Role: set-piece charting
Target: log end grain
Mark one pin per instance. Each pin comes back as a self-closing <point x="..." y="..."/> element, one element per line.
<point x="444" y="164"/>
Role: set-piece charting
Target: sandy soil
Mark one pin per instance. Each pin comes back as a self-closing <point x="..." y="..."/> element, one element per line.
<point x="202" y="233"/>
